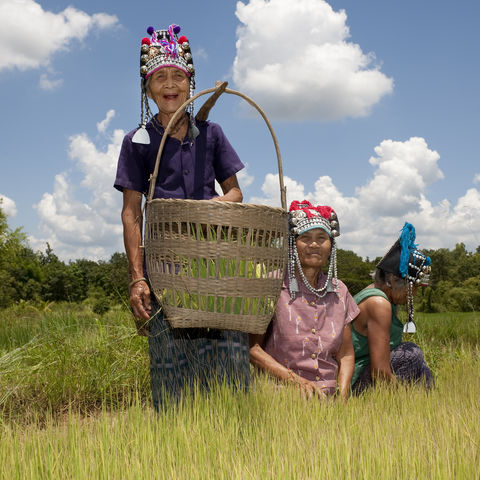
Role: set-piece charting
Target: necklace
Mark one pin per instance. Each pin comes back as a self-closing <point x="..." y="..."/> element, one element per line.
<point x="332" y="272"/>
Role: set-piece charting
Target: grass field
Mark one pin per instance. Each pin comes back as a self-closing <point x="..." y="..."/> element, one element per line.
<point x="75" y="403"/>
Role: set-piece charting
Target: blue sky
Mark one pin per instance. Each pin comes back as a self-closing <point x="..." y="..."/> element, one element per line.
<point x="375" y="106"/>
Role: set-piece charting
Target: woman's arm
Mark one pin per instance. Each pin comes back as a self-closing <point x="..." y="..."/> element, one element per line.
<point x="231" y="190"/>
<point x="262" y="360"/>
<point x="346" y="362"/>
<point x="379" y="314"/>
<point x="132" y="221"/>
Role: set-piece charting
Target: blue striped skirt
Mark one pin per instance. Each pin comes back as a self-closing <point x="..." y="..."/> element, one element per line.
<point x="188" y="358"/>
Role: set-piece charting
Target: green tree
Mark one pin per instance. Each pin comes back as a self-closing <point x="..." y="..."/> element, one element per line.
<point x="353" y="270"/>
<point x="62" y="283"/>
<point x="20" y="271"/>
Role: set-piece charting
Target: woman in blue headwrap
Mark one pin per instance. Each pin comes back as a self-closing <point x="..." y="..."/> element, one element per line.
<point x="377" y="332"/>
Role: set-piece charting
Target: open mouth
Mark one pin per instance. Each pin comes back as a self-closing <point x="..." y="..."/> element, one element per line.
<point x="171" y="96"/>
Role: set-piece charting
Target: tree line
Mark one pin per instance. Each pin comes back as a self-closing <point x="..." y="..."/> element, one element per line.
<point x="36" y="277"/>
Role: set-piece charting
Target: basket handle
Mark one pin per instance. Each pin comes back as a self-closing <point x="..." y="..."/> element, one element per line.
<point x="219" y="89"/>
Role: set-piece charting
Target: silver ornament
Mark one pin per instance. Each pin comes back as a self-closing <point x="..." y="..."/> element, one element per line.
<point x="144" y="48"/>
<point x="141" y="135"/>
<point x="143" y="70"/>
<point x="144" y="59"/>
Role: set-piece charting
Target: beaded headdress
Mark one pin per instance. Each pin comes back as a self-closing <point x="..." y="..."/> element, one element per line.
<point x="303" y="216"/>
<point x="404" y="260"/>
<point x="163" y="49"/>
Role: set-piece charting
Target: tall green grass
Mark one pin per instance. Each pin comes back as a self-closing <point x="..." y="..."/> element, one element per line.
<point x="68" y="358"/>
<point x="75" y="404"/>
<point x="268" y="433"/>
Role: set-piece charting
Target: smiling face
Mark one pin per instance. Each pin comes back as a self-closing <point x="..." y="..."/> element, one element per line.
<point x="169" y="88"/>
<point x="313" y="247"/>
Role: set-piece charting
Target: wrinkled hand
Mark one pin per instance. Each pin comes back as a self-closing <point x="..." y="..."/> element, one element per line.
<point x="309" y="389"/>
<point x="140" y="300"/>
<point x="312" y="390"/>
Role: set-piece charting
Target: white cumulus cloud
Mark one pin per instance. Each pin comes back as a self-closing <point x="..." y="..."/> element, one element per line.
<point x="371" y="219"/>
<point x="30" y="35"/>
<point x="49" y="83"/>
<point x="8" y="206"/>
<point x="103" y="125"/>
<point x="295" y="59"/>
<point x="271" y="190"/>
<point x="244" y="178"/>
<point x="90" y="228"/>
<point x="404" y="170"/>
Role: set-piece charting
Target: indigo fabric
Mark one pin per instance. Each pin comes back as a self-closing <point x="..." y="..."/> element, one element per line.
<point x="184" y="172"/>
<point x="184" y="358"/>
<point x="407" y="363"/>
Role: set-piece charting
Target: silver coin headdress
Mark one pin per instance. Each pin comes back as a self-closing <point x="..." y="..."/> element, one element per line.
<point x="163" y="48"/>
<point x="303" y="216"/>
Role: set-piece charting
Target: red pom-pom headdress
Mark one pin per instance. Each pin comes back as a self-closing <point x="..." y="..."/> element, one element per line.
<point x="303" y="216"/>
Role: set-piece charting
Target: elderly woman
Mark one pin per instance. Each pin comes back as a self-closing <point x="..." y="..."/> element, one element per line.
<point x="196" y="153"/>
<point x="377" y="331"/>
<point x="308" y="342"/>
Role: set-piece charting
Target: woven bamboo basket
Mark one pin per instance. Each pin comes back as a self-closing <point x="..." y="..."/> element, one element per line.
<point x="215" y="264"/>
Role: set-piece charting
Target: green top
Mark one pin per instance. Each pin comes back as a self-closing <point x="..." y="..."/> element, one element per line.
<point x="360" y="342"/>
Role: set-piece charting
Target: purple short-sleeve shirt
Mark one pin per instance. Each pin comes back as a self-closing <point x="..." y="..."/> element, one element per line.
<point x="306" y="333"/>
<point x="184" y="172"/>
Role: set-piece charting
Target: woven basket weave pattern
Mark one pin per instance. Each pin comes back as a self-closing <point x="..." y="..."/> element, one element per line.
<point x="216" y="264"/>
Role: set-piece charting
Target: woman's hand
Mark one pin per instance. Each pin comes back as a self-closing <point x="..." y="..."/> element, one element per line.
<point x="307" y="388"/>
<point x="262" y="360"/>
<point x="132" y="235"/>
<point x="140" y="300"/>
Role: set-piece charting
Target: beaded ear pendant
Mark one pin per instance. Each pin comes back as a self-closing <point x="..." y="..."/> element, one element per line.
<point x="141" y="135"/>
<point x="293" y="285"/>
<point x="409" y="327"/>
<point x="194" y="131"/>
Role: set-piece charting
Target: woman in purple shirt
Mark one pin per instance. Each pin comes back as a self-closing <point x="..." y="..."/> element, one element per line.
<point x="308" y="342"/>
<point x="194" y="156"/>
